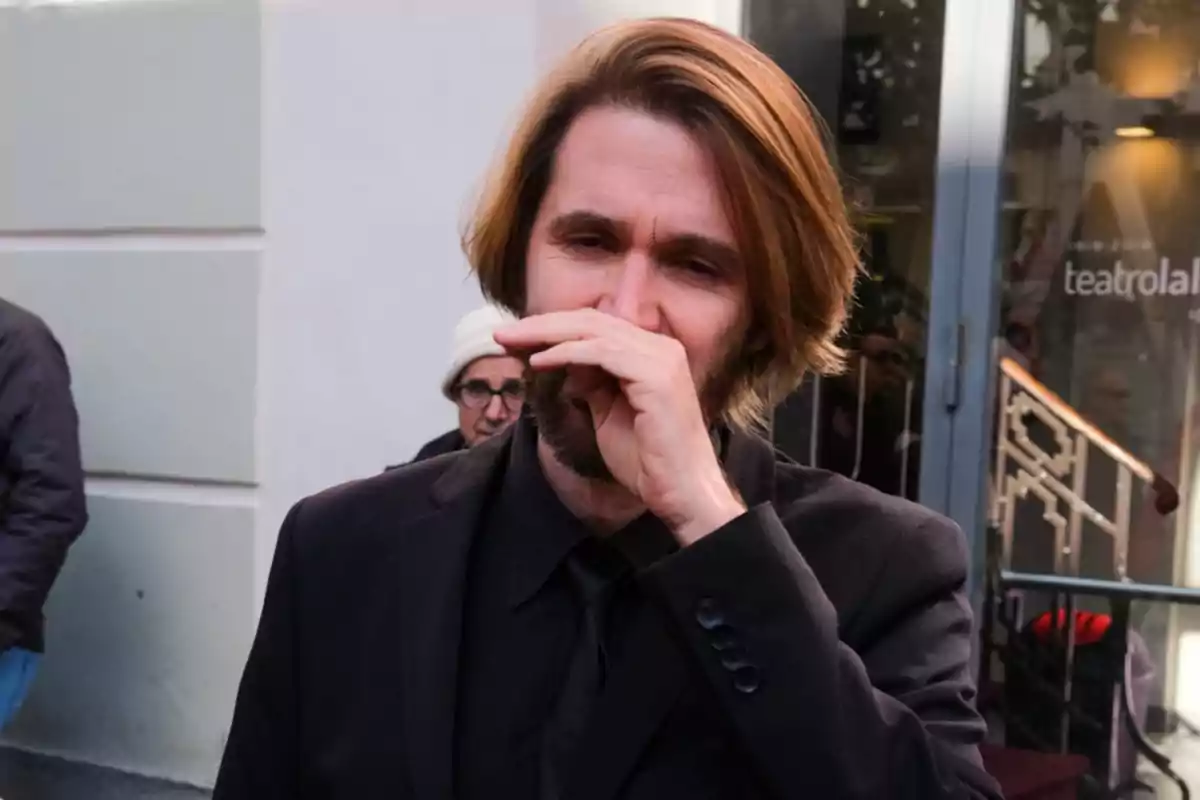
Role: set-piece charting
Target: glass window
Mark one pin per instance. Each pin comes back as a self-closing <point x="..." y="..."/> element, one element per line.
<point x="1100" y="249"/>
<point x="873" y="70"/>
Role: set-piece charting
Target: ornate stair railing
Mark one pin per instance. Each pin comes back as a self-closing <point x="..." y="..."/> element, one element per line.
<point x="1059" y="480"/>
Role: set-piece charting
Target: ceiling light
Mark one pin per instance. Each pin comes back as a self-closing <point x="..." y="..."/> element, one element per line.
<point x="1135" y="132"/>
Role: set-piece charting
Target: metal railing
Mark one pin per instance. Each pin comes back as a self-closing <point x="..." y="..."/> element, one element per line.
<point x="1120" y="595"/>
<point x="1059" y="479"/>
<point x="811" y="406"/>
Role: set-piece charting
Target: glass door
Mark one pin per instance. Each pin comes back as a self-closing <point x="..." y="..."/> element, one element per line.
<point x="873" y="69"/>
<point x="1099" y="320"/>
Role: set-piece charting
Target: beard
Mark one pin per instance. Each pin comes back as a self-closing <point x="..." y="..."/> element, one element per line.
<point x="564" y="420"/>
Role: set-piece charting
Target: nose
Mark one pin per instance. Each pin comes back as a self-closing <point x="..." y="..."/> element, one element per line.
<point x="495" y="410"/>
<point x="632" y="293"/>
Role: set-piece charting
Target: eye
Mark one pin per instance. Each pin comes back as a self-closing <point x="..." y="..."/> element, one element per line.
<point x="589" y="242"/>
<point x="696" y="269"/>
<point x="476" y="389"/>
<point x="697" y="259"/>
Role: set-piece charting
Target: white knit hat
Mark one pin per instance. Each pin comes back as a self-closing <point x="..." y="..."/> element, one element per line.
<point x="473" y="339"/>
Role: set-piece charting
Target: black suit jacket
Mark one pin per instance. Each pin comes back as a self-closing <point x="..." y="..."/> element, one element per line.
<point x="446" y="443"/>
<point x="43" y="509"/>
<point x="850" y="604"/>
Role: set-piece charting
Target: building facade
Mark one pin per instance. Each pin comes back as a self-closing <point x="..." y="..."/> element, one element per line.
<point x="242" y="220"/>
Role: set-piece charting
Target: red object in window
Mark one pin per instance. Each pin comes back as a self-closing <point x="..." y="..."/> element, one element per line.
<point x="1089" y="627"/>
<point x="1025" y="775"/>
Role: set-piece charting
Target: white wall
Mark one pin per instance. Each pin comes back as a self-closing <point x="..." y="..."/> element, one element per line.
<point x="379" y="120"/>
<point x="129" y="219"/>
<point x="561" y="23"/>
<point x="243" y="222"/>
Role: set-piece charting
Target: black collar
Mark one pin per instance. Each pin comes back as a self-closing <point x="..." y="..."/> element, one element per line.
<point x="538" y="530"/>
<point x="541" y="531"/>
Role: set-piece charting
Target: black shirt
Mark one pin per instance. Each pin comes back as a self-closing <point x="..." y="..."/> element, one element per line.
<point x="521" y="622"/>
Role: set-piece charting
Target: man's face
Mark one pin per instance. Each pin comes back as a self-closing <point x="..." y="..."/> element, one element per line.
<point x="632" y="224"/>
<point x="489" y="394"/>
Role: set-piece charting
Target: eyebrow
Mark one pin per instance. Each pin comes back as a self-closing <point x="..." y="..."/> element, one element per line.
<point x="573" y="221"/>
<point x="724" y="256"/>
<point x="506" y="382"/>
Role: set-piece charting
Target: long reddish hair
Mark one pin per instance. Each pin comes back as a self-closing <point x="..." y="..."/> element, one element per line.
<point x="782" y="194"/>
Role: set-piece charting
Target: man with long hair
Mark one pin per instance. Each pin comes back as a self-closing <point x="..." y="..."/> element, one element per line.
<point x="627" y="595"/>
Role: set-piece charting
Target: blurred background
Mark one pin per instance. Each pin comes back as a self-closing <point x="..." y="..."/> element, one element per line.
<point x="241" y="219"/>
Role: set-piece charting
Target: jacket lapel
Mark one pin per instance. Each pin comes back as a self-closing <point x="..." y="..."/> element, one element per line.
<point x="431" y="580"/>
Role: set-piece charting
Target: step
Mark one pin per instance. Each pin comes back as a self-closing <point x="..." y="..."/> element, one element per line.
<point x="30" y="776"/>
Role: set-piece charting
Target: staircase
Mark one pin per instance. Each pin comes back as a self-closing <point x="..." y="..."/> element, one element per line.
<point x="1034" y="684"/>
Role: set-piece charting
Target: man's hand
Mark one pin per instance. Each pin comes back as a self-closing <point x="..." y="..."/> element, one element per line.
<point x="648" y="421"/>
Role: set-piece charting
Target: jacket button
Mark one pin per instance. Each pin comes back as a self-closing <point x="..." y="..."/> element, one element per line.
<point x="747" y="679"/>
<point x="708" y="615"/>
<point x="735" y="660"/>
<point x="722" y="638"/>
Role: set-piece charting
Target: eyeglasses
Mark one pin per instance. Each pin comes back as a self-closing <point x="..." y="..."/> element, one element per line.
<point x="478" y="394"/>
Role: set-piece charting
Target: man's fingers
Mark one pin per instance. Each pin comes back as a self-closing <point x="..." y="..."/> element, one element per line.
<point x="622" y="363"/>
<point x="559" y="326"/>
<point x="579" y="352"/>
